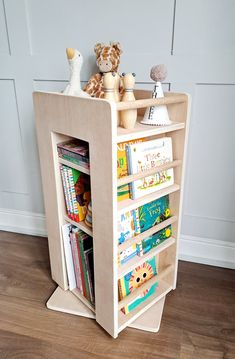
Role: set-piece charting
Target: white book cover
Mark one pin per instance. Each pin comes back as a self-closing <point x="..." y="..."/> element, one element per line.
<point x="144" y="156"/>
<point x="68" y="256"/>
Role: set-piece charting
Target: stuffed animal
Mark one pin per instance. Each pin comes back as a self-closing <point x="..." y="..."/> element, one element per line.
<point x="75" y="64"/>
<point x="107" y="60"/>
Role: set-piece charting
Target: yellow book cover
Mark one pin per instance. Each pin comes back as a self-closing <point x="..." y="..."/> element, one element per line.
<point x="123" y="192"/>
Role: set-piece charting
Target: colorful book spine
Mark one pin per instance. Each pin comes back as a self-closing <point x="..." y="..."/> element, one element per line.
<point x="76" y="261"/>
<point x="73" y="194"/>
<point x="81" y="237"/>
<point x="87" y="255"/>
<point x="68" y="190"/>
<point x="65" y="191"/>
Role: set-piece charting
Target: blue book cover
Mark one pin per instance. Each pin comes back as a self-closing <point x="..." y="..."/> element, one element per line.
<point x="151" y="214"/>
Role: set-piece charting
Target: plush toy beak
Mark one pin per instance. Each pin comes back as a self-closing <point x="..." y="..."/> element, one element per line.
<point x="70" y="53"/>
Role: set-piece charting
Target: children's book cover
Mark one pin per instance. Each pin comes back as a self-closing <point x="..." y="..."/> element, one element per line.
<point x="81" y="186"/>
<point x="125" y="226"/>
<point x="135" y="279"/>
<point x="151" y="214"/>
<point x="127" y="254"/>
<point x="153" y="241"/>
<point x="123" y="192"/>
<point x="78" y="147"/>
<point x="145" y="156"/>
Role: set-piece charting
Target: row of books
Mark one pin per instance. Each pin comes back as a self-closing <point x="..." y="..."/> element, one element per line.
<point x="77" y="192"/>
<point x="76" y="151"/>
<point x="140" y="220"/>
<point x="78" y="248"/>
<point x="140" y="155"/>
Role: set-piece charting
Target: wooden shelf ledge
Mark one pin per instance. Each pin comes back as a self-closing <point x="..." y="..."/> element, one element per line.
<point x="73" y="165"/>
<point x="125" y="320"/>
<point x="81" y="225"/>
<point x="129" y="204"/>
<point x="147" y="233"/>
<point x="137" y="261"/>
<point x="151" y="102"/>
<point x="79" y="295"/>
<point x="138" y="291"/>
<point x="152" y="171"/>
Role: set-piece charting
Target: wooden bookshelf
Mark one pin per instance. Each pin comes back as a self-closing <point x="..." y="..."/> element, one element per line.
<point x="59" y="118"/>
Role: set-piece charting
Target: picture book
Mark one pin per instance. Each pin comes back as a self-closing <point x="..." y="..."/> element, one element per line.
<point x="77" y="192"/>
<point x="127" y="254"/>
<point x="153" y="241"/>
<point x="66" y="228"/>
<point x="76" y="262"/>
<point x="123" y="192"/>
<point x="135" y="279"/>
<point x="145" y="156"/>
<point x="85" y="243"/>
<point x="77" y="147"/>
<point x="125" y="226"/>
<point x="152" y="213"/>
<point x="88" y="254"/>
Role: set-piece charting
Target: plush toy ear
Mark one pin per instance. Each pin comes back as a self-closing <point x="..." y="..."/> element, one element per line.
<point x="116" y="46"/>
<point x="98" y="47"/>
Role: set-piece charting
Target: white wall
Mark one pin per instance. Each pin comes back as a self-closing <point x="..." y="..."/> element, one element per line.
<point x="195" y="39"/>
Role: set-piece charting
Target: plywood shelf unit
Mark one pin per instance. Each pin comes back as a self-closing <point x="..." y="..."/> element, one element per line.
<point x="59" y="118"/>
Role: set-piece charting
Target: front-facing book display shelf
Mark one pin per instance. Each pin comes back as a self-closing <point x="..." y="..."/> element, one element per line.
<point x="60" y="118"/>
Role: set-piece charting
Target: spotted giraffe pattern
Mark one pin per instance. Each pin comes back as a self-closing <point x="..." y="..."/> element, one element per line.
<point x="104" y="53"/>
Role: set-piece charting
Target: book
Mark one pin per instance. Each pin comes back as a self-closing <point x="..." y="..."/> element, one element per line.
<point x="135" y="279"/>
<point x="85" y="243"/>
<point x="65" y="191"/>
<point x="75" y="148"/>
<point x="77" y="269"/>
<point x="144" y="156"/>
<point x="88" y="254"/>
<point x="66" y="229"/>
<point x="127" y="254"/>
<point x="125" y="226"/>
<point x="123" y="192"/>
<point x="77" y="192"/>
<point x="151" y="214"/>
<point x="153" y="241"/>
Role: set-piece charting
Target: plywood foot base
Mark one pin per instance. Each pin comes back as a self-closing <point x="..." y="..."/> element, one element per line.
<point x="65" y="301"/>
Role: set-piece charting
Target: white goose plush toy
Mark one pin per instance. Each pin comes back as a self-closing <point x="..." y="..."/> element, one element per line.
<point x="75" y="60"/>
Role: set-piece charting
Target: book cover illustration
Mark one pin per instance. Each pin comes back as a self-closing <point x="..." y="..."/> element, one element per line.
<point x="147" y="155"/>
<point x="123" y="192"/>
<point x="153" y="241"/>
<point x="135" y="279"/>
<point x="127" y="254"/>
<point x="125" y="226"/>
<point x="152" y="213"/>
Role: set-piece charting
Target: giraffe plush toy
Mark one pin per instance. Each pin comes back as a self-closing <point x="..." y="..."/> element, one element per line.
<point x="107" y="60"/>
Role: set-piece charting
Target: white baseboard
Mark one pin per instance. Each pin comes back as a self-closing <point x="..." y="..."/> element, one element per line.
<point x="192" y="249"/>
<point x="23" y="222"/>
<point x="207" y="251"/>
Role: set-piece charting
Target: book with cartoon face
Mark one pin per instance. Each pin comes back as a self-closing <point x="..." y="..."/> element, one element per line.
<point x="146" y="156"/>
<point x="135" y="279"/>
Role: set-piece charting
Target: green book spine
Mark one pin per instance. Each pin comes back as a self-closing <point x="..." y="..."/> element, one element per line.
<point x="81" y="246"/>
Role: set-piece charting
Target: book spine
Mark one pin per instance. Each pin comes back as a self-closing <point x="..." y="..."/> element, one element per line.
<point x="73" y="194"/>
<point x="75" y="261"/>
<point x="130" y="170"/>
<point x="65" y="191"/>
<point x="84" y="266"/>
<point x="81" y="266"/>
<point x="89" y="279"/>
<point x="69" y="192"/>
<point x="68" y="256"/>
<point x="74" y="155"/>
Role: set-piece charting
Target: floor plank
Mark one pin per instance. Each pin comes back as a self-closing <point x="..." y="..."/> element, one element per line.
<point x="198" y="319"/>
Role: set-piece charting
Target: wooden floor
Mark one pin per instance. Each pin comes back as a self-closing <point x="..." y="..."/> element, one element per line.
<point x="198" y="319"/>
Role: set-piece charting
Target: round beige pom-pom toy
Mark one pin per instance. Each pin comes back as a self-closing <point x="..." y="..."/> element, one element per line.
<point x="158" y="73"/>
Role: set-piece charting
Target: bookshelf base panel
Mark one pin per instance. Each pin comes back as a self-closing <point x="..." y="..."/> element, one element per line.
<point x="66" y="302"/>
